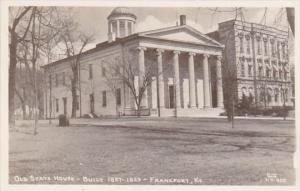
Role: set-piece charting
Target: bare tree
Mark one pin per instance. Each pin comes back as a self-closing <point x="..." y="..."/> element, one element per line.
<point x="18" y="30"/>
<point x="74" y="42"/>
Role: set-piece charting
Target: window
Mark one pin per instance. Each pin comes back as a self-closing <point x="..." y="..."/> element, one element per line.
<point x="266" y="46"/>
<point x="57" y="105"/>
<point x="260" y="70"/>
<point x="242" y="69"/>
<point x="274" y="74"/>
<point x="129" y="25"/>
<point x="241" y="44"/>
<point x="64" y="78"/>
<point x="280" y="74"/>
<point x="268" y="72"/>
<point x="273" y="48"/>
<point x="258" y="46"/>
<point x="104" y="99"/>
<point x="92" y="103"/>
<point x="276" y="95"/>
<point x="90" y="71"/>
<point x="248" y="44"/>
<point x="103" y="71"/>
<point x="278" y="49"/>
<point x="283" y="51"/>
<point x="56" y="80"/>
<point x="249" y="70"/>
<point x="285" y="75"/>
<point x="118" y="96"/>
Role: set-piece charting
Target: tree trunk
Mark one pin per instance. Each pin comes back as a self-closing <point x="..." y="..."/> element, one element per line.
<point x="74" y="98"/>
<point x="12" y="78"/>
<point x="24" y="111"/>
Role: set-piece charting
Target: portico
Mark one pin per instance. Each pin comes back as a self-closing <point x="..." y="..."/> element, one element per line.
<point x="183" y="79"/>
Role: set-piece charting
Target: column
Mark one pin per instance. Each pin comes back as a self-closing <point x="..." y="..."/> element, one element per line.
<point x="141" y="66"/>
<point x="192" y="89"/>
<point x="219" y="83"/>
<point x="118" y="29"/>
<point x="161" y="89"/>
<point x="206" y="81"/>
<point x="126" y="28"/>
<point x="176" y="78"/>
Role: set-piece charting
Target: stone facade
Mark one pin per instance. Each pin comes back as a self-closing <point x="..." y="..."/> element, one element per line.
<point x="183" y="57"/>
<point x="259" y="56"/>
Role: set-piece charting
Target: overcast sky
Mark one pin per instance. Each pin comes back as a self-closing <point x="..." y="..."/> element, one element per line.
<point x="92" y="19"/>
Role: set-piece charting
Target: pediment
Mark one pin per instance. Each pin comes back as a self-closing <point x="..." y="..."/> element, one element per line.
<point x="183" y="34"/>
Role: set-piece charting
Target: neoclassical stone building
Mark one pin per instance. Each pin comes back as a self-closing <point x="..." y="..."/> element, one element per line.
<point x="259" y="56"/>
<point x="188" y="65"/>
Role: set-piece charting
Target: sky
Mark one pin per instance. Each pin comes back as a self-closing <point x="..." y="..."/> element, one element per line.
<point x="94" y="19"/>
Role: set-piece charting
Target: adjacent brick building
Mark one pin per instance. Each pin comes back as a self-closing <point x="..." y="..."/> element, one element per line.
<point x="258" y="55"/>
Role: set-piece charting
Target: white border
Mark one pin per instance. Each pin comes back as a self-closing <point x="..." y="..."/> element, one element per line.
<point x="142" y="3"/>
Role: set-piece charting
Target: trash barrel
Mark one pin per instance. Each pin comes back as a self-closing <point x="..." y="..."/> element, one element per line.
<point x="63" y="120"/>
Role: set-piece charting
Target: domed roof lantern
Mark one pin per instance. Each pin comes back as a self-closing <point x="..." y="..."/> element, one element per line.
<point x="121" y="23"/>
<point x="121" y="11"/>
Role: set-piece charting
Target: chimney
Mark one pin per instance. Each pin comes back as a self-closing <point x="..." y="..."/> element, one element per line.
<point x="182" y="20"/>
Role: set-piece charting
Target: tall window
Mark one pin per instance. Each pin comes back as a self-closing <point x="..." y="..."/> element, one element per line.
<point x="241" y="44"/>
<point x="258" y="46"/>
<point x="103" y="71"/>
<point x="242" y="69"/>
<point x="248" y="44"/>
<point x="260" y="70"/>
<point x="57" y="105"/>
<point x="278" y="49"/>
<point x="268" y="72"/>
<point x="266" y="46"/>
<point x="280" y="74"/>
<point x="274" y="73"/>
<point x="90" y="71"/>
<point x="283" y="51"/>
<point x="118" y="96"/>
<point x="104" y="99"/>
<point x="249" y="70"/>
<point x="273" y="48"/>
<point x="92" y="103"/>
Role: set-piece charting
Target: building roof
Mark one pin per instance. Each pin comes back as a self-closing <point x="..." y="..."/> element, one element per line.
<point x="121" y="11"/>
<point x="153" y="34"/>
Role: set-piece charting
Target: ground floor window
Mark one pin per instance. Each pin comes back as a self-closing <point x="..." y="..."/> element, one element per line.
<point x="92" y="103"/>
<point x="104" y="99"/>
<point x="118" y="96"/>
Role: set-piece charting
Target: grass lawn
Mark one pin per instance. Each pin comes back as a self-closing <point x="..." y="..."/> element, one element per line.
<point x="154" y="151"/>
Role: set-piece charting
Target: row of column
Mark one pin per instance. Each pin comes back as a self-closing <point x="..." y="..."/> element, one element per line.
<point x="191" y="69"/>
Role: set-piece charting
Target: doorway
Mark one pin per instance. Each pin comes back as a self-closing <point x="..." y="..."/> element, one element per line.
<point x="92" y="108"/>
<point x="171" y="96"/>
<point x="65" y="105"/>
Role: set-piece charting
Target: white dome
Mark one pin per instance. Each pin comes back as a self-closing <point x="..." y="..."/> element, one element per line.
<point x="121" y="11"/>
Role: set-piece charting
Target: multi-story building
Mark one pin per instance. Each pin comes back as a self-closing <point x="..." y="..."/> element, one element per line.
<point x="258" y="56"/>
<point x="183" y="58"/>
